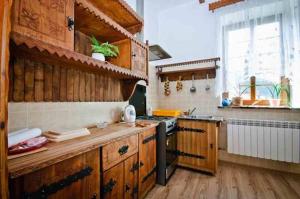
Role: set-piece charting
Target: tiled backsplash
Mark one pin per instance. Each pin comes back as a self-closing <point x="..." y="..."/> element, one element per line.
<point x="62" y="115"/>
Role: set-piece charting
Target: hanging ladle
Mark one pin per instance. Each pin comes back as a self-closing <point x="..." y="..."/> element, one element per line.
<point x="193" y="88"/>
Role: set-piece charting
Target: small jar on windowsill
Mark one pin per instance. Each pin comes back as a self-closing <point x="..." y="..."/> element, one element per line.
<point x="237" y="101"/>
<point x="274" y="102"/>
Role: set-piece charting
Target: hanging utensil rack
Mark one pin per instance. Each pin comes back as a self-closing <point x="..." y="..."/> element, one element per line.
<point x="186" y="74"/>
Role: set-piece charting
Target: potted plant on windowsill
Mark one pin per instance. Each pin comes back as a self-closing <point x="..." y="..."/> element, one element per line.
<point x="276" y="91"/>
<point x="100" y="51"/>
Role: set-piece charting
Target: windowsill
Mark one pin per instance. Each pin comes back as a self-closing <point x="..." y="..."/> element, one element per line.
<point x="258" y="107"/>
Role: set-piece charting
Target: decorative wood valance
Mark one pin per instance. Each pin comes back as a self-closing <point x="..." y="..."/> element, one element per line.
<point x="222" y="3"/>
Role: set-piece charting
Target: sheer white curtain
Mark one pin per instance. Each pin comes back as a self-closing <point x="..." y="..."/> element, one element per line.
<point x="259" y="38"/>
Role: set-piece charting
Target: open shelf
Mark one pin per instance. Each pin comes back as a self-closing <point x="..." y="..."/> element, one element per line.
<point x="47" y="53"/>
<point x="120" y="12"/>
<point x="91" y="21"/>
<point x="187" y="74"/>
<point x="199" y="73"/>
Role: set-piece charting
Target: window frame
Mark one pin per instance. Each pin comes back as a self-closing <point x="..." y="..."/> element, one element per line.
<point x="251" y="25"/>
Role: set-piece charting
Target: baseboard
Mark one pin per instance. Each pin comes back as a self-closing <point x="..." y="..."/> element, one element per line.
<point x="259" y="162"/>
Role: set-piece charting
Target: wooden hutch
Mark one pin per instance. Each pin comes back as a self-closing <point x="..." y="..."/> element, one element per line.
<point x="46" y="56"/>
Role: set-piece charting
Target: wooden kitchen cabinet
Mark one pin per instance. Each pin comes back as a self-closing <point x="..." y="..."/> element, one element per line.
<point x="134" y="56"/>
<point x="138" y="58"/>
<point x="113" y="182"/>
<point x="78" y="177"/>
<point x="131" y="177"/>
<point x="121" y="181"/>
<point x="118" y="151"/>
<point x="45" y="20"/>
<point x="147" y="159"/>
<point x="197" y="145"/>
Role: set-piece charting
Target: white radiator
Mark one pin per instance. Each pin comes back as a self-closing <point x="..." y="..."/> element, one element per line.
<point x="275" y="140"/>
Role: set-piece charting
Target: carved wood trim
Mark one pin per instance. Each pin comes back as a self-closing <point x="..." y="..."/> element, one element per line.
<point x="222" y="3"/>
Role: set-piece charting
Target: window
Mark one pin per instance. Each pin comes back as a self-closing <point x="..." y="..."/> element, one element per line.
<point x="256" y="50"/>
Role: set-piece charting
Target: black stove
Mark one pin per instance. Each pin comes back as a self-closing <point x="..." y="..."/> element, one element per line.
<point x="166" y="146"/>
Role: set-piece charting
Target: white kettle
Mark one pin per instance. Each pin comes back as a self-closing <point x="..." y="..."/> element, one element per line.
<point x="129" y="114"/>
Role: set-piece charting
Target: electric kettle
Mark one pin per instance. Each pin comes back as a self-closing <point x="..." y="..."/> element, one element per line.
<point x="129" y="114"/>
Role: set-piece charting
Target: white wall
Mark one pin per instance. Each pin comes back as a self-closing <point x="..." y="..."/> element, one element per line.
<point x="188" y="31"/>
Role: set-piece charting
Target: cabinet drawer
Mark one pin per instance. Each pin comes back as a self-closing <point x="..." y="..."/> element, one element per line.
<point x="118" y="151"/>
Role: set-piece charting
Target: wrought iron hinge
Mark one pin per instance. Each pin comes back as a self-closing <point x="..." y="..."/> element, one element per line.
<point x="2" y="125"/>
<point x="134" y="191"/>
<point x="109" y="186"/>
<point x="149" y="174"/>
<point x="148" y="139"/>
<point x="181" y="153"/>
<point x="47" y="190"/>
<point x="191" y="129"/>
<point x="135" y="167"/>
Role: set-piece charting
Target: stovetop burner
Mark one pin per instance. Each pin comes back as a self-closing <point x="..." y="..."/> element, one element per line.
<point x="157" y="118"/>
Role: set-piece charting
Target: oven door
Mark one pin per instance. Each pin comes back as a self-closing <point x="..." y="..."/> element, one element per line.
<point x="171" y="155"/>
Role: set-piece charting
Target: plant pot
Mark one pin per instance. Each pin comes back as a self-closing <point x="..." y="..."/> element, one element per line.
<point x="237" y="101"/>
<point x="274" y="102"/>
<point x="98" y="56"/>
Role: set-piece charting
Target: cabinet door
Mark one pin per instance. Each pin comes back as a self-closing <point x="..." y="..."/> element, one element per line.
<point x="78" y="177"/>
<point x="196" y="144"/>
<point x="113" y="182"/>
<point x="131" y="177"/>
<point x="45" y="20"/>
<point x="147" y="159"/>
<point x="139" y="58"/>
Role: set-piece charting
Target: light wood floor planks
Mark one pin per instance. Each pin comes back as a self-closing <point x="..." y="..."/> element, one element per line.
<point x="232" y="181"/>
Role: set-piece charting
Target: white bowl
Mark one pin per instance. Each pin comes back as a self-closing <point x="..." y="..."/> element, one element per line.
<point x="102" y="125"/>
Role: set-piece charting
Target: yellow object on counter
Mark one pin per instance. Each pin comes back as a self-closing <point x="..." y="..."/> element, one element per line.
<point x="166" y="113"/>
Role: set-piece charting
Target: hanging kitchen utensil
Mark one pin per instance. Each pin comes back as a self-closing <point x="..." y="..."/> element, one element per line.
<point x="179" y="85"/>
<point x="167" y="87"/>
<point x="207" y="88"/>
<point x="193" y="88"/>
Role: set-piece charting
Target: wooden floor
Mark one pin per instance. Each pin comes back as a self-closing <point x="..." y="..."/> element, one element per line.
<point x="232" y="181"/>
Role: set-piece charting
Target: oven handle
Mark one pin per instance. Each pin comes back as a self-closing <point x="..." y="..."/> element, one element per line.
<point x="172" y="132"/>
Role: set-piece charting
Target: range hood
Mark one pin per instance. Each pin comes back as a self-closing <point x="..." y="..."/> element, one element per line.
<point x="156" y="52"/>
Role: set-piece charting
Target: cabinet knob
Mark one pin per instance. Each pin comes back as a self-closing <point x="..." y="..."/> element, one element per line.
<point x="127" y="188"/>
<point x="133" y="55"/>
<point x="94" y="196"/>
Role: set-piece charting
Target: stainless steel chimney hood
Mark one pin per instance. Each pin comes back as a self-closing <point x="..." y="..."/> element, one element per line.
<point x="157" y="53"/>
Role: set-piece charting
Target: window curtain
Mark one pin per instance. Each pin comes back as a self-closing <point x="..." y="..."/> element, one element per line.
<point x="253" y="13"/>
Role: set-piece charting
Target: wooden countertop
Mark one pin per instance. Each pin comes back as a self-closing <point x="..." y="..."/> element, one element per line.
<point x="58" y="152"/>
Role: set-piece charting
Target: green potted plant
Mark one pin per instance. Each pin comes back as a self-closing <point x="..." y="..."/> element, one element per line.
<point x="276" y="91"/>
<point x="100" y="51"/>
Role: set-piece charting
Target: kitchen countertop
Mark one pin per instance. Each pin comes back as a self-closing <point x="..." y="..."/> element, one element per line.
<point x="58" y="152"/>
<point x="203" y="118"/>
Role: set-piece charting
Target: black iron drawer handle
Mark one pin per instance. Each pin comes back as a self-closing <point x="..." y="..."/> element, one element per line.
<point x="109" y="186"/>
<point x="47" y="190"/>
<point x="148" y="139"/>
<point x="123" y="149"/>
